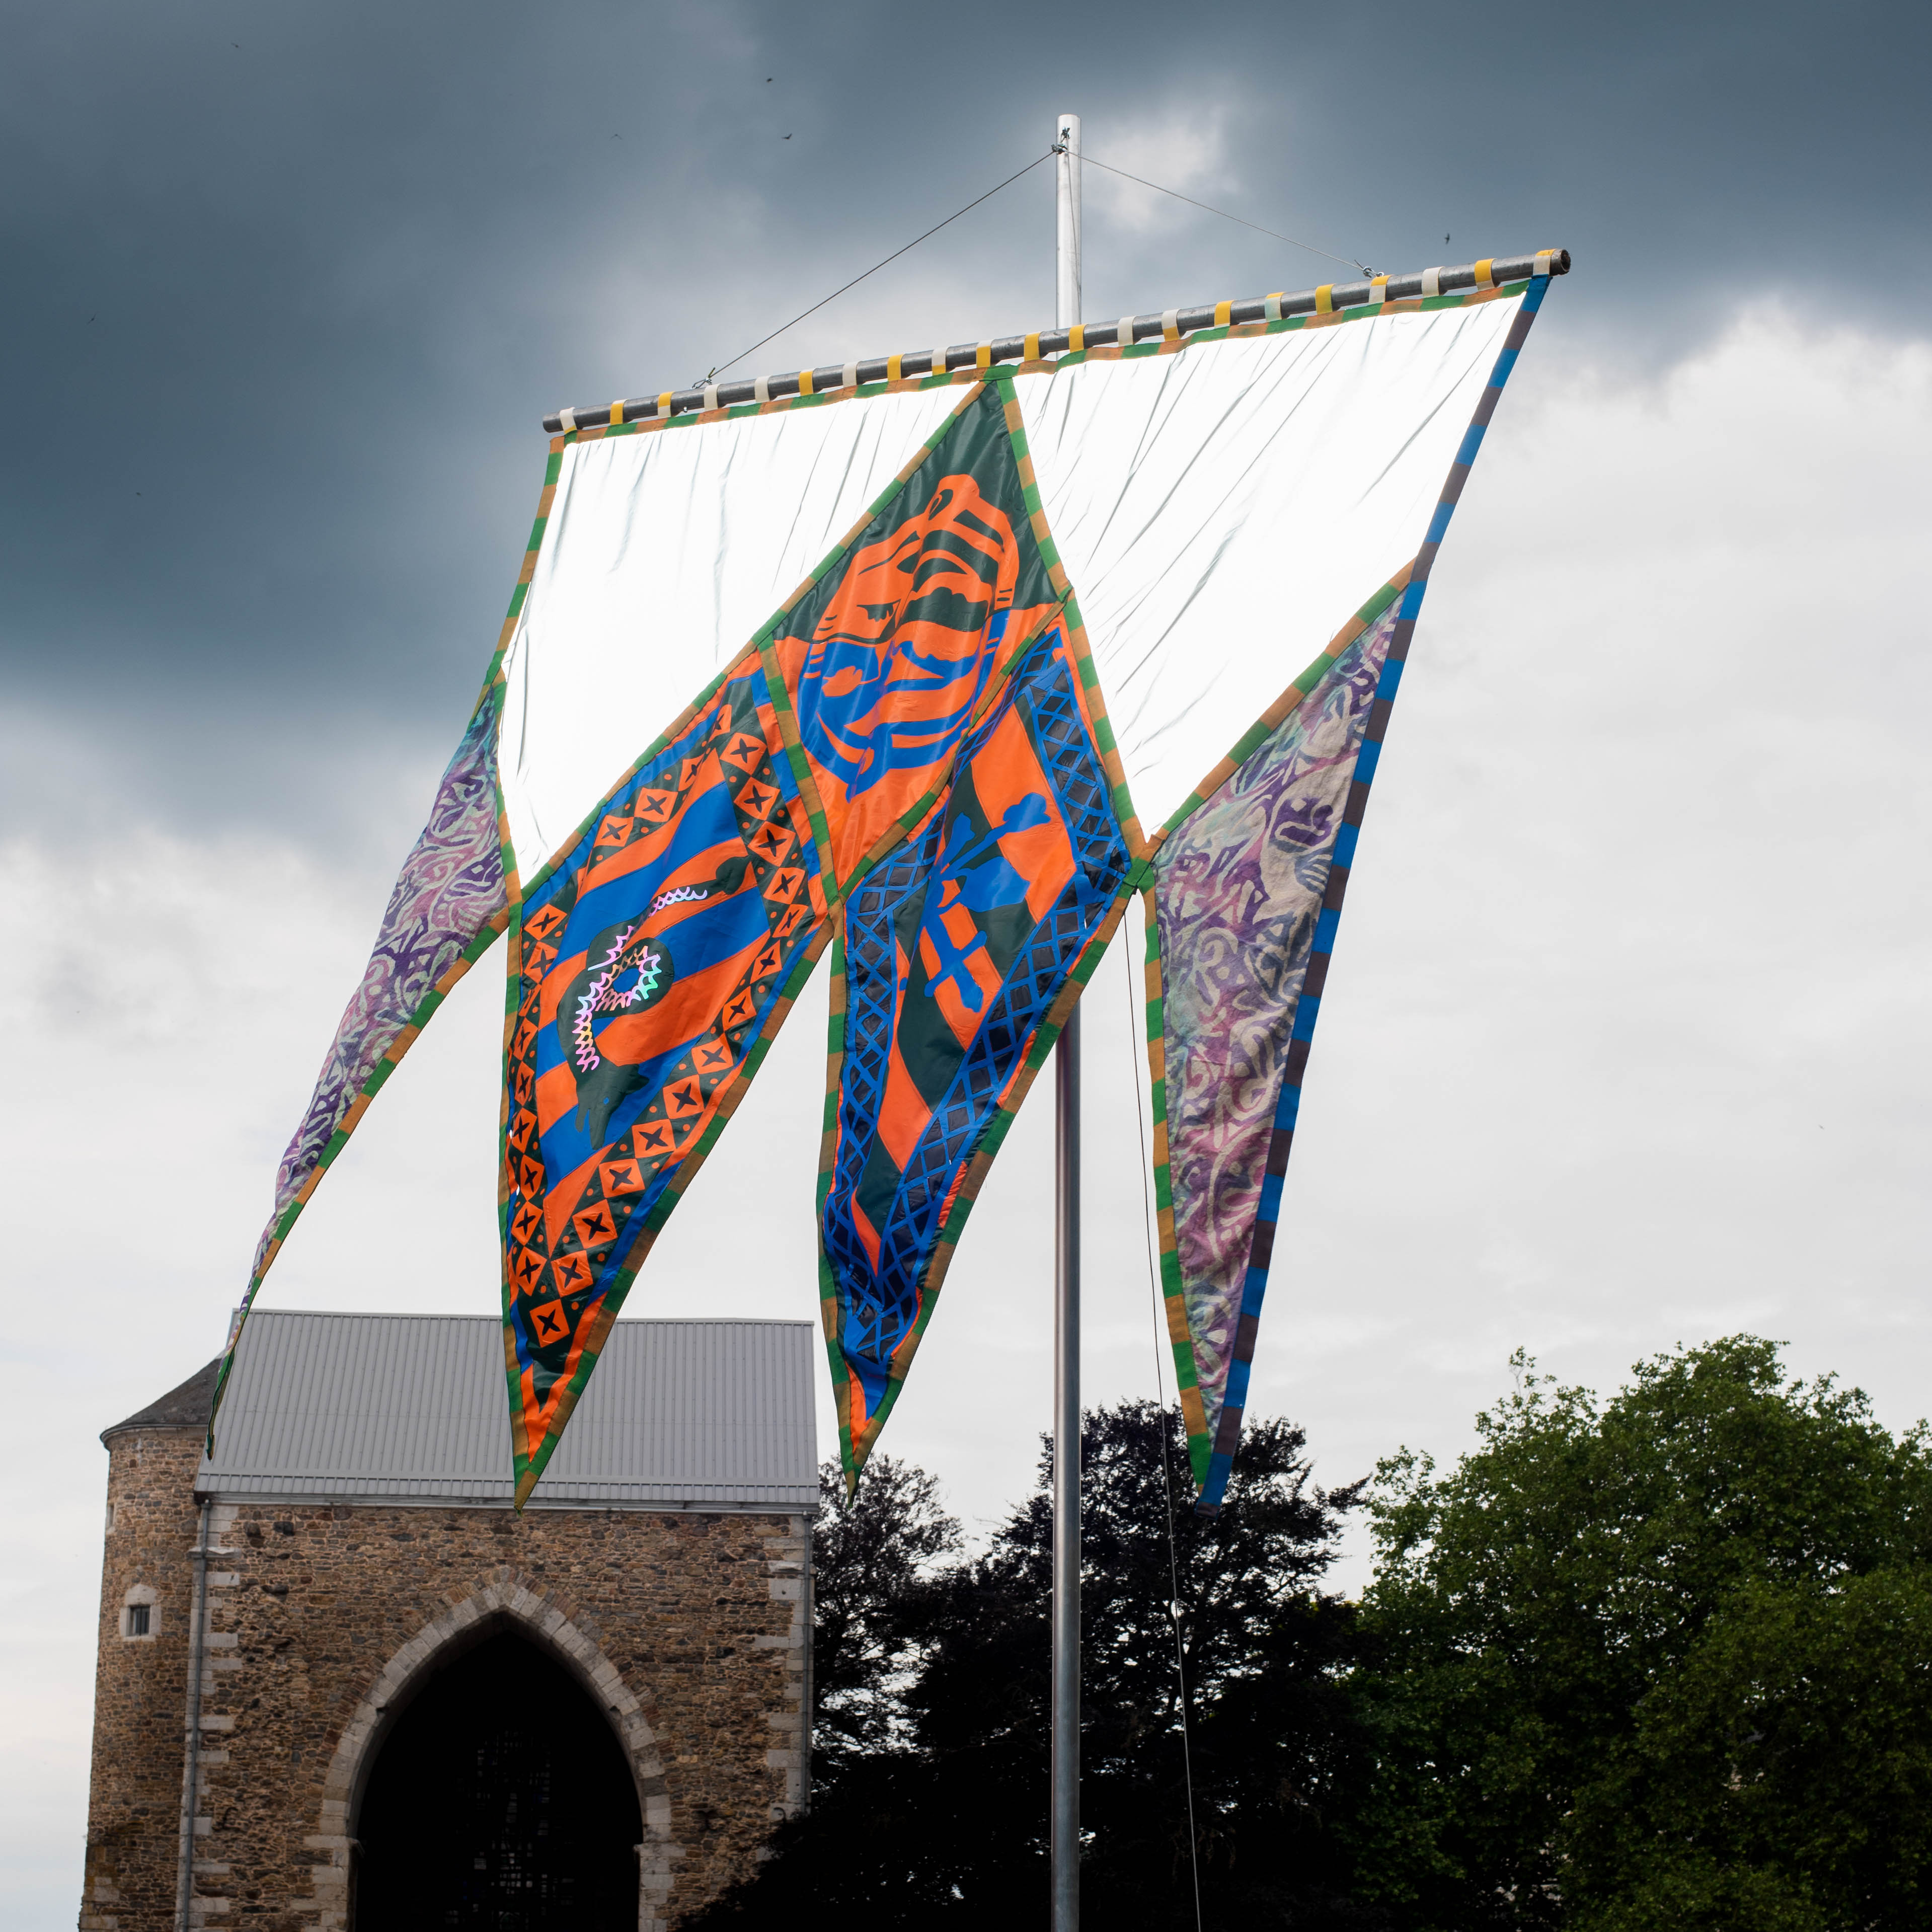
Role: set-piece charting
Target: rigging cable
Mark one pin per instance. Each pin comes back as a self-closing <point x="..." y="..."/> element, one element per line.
<point x="1310" y="246"/>
<point x="1166" y="1468"/>
<point x="876" y="267"/>
<point x="712" y="374"/>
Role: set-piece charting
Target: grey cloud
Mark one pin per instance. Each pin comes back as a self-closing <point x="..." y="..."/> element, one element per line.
<point x="285" y="315"/>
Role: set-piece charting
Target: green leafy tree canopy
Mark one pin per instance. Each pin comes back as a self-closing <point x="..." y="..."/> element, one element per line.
<point x="1665" y="1660"/>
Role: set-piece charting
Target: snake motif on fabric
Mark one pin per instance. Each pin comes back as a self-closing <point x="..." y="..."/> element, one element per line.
<point x="650" y="972"/>
<point x="628" y="969"/>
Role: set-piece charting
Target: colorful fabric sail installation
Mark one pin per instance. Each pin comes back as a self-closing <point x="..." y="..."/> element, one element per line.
<point x="961" y="956"/>
<point x="936" y="645"/>
<point x="1241" y="917"/>
<point x="449" y="904"/>
<point x="902" y="669"/>
<point x="1245" y="898"/>
<point x="906" y="633"/>
<point x="654" y="963"/>
<point x="661" y="954"/>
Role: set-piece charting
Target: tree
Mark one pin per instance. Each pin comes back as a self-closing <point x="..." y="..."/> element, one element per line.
<point x="869" y="1562"/>
<point x="1666" y="1661"/>
<point x="1274" y="1749"/>
<point x="940" y="1817"/>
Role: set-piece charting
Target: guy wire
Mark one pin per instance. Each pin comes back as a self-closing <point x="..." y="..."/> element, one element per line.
<point x="877" y="266"/>
<point x="1330" y="253"/>
<point x="1166" y="1468"/>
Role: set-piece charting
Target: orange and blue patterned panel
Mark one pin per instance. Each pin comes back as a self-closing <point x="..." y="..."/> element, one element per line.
<point x="656" y="961"/>
<point x="888" y="657"/>
<point x="956" y="948"/>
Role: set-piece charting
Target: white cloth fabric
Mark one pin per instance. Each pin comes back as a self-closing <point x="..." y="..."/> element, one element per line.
<point x="1221" y="511"/>
<point x="664" y="552"/>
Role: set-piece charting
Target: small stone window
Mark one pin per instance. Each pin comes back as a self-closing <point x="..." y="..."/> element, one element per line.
<point x="141" y="1614"/>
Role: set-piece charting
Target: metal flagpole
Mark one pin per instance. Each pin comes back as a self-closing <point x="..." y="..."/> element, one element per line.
<point x="1066" y="288"/>
<point x="1065" y="1803"/>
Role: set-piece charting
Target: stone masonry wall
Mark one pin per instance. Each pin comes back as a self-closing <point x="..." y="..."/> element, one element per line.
<point x="140" y="1684"/>
<point x="689" y="1628"/>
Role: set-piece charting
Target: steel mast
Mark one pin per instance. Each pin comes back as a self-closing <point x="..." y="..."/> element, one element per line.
<point x="1065" y="1803"/>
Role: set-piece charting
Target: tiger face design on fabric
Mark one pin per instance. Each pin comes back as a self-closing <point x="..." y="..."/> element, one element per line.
<point x="890" y="655"/>
<point x="896" y="663"/>
<point x="655" y="962"/>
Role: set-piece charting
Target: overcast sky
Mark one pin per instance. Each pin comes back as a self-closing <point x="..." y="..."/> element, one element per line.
<point x="1628" y="1033"/>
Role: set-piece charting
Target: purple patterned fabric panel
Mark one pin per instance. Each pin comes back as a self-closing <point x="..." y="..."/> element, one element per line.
<point x="450" y="888"/>
<point x="1237" y="888"/>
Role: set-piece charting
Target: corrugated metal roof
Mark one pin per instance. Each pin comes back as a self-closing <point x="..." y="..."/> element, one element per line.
<point x="410" y="1409"/>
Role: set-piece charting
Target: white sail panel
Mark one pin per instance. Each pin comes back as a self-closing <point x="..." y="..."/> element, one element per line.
<point x="663" y="553"/>
<point x="1221" y="510"/>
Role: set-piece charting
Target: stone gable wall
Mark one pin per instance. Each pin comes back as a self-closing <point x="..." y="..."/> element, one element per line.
<point x="690" y="1629"/>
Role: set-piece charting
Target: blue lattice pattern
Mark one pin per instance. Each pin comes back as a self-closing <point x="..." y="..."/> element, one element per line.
<point x="947" y="915"/>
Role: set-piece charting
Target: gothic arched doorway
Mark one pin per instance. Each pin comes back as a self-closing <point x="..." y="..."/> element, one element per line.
<point x="501" y="1802"/>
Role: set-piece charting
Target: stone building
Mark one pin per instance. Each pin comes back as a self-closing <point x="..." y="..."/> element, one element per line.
<point x="415" y="1708"/>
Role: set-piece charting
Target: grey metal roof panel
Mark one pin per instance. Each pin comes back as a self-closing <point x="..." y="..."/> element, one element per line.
<point x="412" y="1408"/>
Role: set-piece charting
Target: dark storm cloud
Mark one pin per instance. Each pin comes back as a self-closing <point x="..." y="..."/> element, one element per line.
<point x="289" y="288"/>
